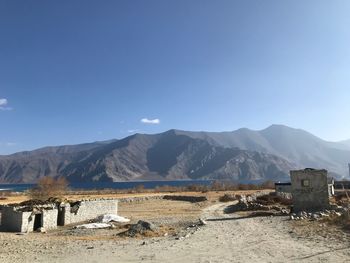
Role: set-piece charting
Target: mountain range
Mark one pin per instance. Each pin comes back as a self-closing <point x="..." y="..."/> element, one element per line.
<point x="242" y="155"/>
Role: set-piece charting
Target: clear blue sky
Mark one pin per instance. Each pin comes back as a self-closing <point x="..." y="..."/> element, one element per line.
<point x="81" y="71"/>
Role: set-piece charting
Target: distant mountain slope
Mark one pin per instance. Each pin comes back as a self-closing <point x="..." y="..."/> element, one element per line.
<point x="166" y="156"/>
<point x="295" y="145"/>
<point x="346" y="143"/>
<point x="239" y="155"/>
<point x="29" y="166"/>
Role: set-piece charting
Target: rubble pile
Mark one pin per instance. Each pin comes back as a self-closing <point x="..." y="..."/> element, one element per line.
<point x="140" y="228"/>
<point x="248" y="204"/>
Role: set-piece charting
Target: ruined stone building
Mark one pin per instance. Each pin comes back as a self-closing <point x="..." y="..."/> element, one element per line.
<point x="27" y="217"/>
<point x="310" y="189"/>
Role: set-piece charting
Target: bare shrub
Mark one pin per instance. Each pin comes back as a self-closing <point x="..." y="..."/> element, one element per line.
<point x="245" y="187"/>
<point x="48" y="187"/>
<point x="223" y="186"/>
<point x="267" y="185"/>
<point x="140" y="188"/>
<point x="217" y="186"/>
<point x="197" y="188"/>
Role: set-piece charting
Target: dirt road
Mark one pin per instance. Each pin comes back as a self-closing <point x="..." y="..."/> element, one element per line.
<point x="225" y="238"/>
<point x="230" y="239"/>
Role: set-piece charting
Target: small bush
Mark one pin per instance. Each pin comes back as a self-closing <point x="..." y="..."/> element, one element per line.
<point x="48" y="187"/>
<point x="267" y="185"/>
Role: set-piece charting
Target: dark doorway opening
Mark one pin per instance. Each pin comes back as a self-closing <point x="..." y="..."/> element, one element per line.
<point x="60" y="216"/>
<point x="37" y="221"/>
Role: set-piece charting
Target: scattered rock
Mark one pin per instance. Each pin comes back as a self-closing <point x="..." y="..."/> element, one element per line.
<point x="284" y="212"/>
<point x="302" y="215"/>
<point x="202" y="222"/>
<point x="41" y="230"/>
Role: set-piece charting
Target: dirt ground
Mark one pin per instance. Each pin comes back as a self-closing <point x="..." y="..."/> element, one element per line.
<point x="225" y="238"/>
<point x="211" y="195"/>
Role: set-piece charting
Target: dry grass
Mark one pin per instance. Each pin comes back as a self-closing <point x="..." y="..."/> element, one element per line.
<point x="212" y="196"/>
<point x="342" y="221"/>
<point x="158" y="209"/>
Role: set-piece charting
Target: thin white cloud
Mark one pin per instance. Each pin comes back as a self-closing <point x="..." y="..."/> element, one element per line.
<point x="150" y="121"/>
<point x="8" y="144"/>
<point x="3" y="104"/>
<point x="133" y="131"/>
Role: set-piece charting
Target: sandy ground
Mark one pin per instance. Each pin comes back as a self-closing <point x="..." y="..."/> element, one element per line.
<point x="225" y="238"/>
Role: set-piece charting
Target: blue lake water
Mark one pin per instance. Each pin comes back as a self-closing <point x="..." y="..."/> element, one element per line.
<point x="111" y="185"/>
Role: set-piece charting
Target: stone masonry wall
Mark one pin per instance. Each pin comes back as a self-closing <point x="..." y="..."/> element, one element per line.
<point x="89" y="209"/>
<point x="27" y="222"/>
<point x="49" y="219"/>
<point x="309" y="190"/>
<point x="17" y="221"/>
<point x="11" y="220"/>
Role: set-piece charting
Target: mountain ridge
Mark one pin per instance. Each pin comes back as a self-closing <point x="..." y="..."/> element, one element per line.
<point x="243" y="154"/>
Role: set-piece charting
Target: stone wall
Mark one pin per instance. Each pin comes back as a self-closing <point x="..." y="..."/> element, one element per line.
<point x="49" y="219"/>
<point x="15" y="221"/>
<point x="11" y="220"/>
<point x="89" y="209"/>
<point x="27" y="222"/>
<point x="309" y="190"/>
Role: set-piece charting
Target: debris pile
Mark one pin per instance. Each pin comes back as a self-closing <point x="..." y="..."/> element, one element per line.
<point x="140" y="228"/>
<point x="93" y="226"/>
<point x="264" y="202"/>
<point x="244" y="205"/>
<point x="190" y="229"/>
<point x="105" y="221"/>
<point x="274" y="198"/>
<point x="112" y="218"/>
